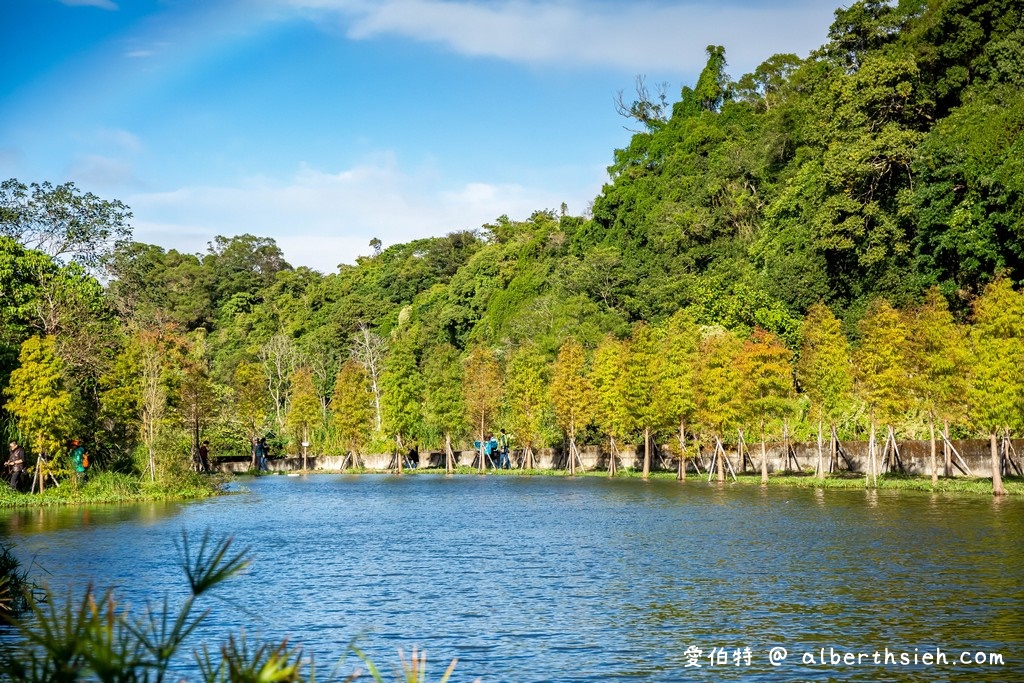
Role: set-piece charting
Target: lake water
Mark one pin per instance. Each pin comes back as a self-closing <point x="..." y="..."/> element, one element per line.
<point x="556" y="579"/>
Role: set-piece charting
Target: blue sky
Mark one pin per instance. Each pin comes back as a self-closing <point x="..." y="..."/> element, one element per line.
<point x="325" y="123"/>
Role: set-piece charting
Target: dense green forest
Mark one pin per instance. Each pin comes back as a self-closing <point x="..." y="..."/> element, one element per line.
<point x="836" y="239"/>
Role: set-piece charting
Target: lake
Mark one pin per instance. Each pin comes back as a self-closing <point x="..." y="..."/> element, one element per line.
<point x="586" y="579"/>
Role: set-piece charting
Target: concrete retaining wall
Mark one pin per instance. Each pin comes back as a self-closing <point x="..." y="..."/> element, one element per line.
<point x="915" y="456"/>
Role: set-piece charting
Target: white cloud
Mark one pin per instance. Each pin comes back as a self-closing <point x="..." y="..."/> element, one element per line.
<point x="94" y="170"/>
<point x="635" y="36"/>
<point x="106" y="159"/>
<point x="322" y="219"/>
<point x="102" y="4"/>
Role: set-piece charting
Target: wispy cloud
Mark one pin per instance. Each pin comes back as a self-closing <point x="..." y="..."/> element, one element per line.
<point x="635" y="36"/>
<point x="102" y="4"/>
<point x="328" y="218"/>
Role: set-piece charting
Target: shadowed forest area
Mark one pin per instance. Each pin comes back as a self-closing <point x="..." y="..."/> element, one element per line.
<point x="829" y="241"/>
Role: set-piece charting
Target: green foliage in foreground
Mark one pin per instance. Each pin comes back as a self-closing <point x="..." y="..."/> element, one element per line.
<point x="115" y="487"/>
<point x="94" y="637"/>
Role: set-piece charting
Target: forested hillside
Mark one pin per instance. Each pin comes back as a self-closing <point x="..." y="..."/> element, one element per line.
<point x="836" y="238"/>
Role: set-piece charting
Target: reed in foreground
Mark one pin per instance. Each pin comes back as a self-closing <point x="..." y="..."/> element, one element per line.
<point x="94" y="637"/>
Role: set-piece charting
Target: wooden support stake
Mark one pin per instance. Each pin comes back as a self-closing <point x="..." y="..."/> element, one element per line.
<point x="962" y="466"/>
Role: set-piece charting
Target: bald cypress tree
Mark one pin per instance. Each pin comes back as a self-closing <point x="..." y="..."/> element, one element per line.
<point x="572" y="396"/>
<point x="613" y="414"/>
<point x="882" y="362"/>
<point x="997" y="339"/>
<point x="824" y="370"/>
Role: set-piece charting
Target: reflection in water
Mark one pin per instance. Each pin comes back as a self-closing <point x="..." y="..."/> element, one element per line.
<point x="20" y="521"/>
<point x="548" y="579"/>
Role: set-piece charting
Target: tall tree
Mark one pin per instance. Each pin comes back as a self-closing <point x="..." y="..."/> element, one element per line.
<point x="526" y="398"/>
<point x="251" y="402"/>
<point x="613" y="414"/>
<point x="572" y="396"/>
<point x="766" y="365"/>
<point x="824" y="370"/>
<point x="368" y="349"/>
<point x="37" y="396"/>
<point x="940" y="365"/>
<point x="402" y="394"/>
<point x="61" y="221"/>
<point x="675" y="387"/>
<point x="642" y="368"/>
<point x="881" y="363"/>
<point x="444" y="409"/>
<point x="481" y="393"/>
<point x="279" y="357"/>
<point x="197" y="396"/>
<point x="303" y="409"/>
<point x="352" y="406"/>
<point x="720" y="386"/>
<point x="997" y="339"/>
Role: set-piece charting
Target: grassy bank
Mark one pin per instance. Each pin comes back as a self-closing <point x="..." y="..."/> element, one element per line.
<point x="112" y="487"/>
<point x="973" y="485"/>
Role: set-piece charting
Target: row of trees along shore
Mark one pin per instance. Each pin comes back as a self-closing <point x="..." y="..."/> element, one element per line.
<point x="830" y="243"/>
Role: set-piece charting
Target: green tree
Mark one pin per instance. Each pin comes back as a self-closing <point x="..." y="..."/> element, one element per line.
<point x="572" y="396"/>
<point x="481" y="393"/>
<point x="675" y="392"/>
<point x="940" y="365"/>
<point x="402" y="395"/>
<point x="303" y="409"/>
<point x="881" y="363"/>
<point x="712" y="88"/>
<point x="526" y="398"/>
<point x="444" y="409"/>
<point x="61" y="221"/>
<point x="997" y="338"/>
<point x="198" y="400"/>
<point x="250" y="401"/>
<point x="613" y="414"/>
<point x="352" y="406"/>
<point x="642" y="368"/>
<point x="719" y="386"/>
<point x="766" y="366"/>
<point x="37" y="396"/>
<point x="824" y="370"/>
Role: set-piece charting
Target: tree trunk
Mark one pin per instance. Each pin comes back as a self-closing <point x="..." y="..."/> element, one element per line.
<point x="483" y="455"/>
<point x="612" y="456"/>
<point x="873" y="450"/>
<point x="720" y="453"/>
<point x="647" y="452"/>
<point x="997" y="474"/>
<point x="449" y="456"/>
<point x="935" y="464"/>
<point x="401" y="451"/>
<point x="740" y="451"/>
<point x="764" y="458"/>
<point x="947" y="469"/>
<point x="820" y="470"/>
<point x="305" y="440"/>
<point x="681" y="475"/>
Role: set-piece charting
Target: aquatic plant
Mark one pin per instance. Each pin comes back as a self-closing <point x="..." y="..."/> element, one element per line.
<point x="95" y="637"/>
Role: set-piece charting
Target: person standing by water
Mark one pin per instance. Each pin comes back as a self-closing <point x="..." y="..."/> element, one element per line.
<point x="503" y="461"/>
<point x="79" y="461"/>
<point x="204" y="457"/>
<point x="16" y="463"/>
<point x="262" y="451"/>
